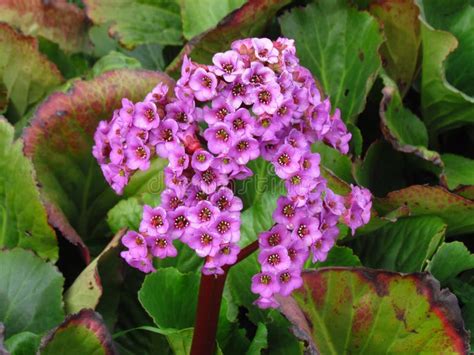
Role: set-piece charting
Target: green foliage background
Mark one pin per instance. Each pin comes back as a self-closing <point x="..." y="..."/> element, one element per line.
<point x="402" y="73"/>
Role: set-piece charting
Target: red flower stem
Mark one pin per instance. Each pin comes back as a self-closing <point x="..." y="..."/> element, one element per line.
<point x="209" y="305"/>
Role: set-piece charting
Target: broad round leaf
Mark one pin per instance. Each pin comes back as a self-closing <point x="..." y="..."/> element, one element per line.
<point x="81" y="333"/>
<point x="23" y="220"/>
<point x="365" y="311"/>
<point x="248" y="21"/>
<point x="447" y="104"/>
<point x="193" y="21"/>
<point x="170" y="298"/>
<point x="30" y="293"/>
<point x="456" y="211"/>
<point x="403" y="246"/>
<point x="340" y="46"/>
<point x="59" y="142"/>
<point x="59" y="21"/>
<point x="25" y="74"/>
<point x="403" y="129"/>
<point x="401" y="49"/>
<point x="137" y="22"/>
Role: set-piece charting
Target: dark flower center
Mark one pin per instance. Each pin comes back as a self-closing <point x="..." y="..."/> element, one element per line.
<point x="288" y="211"/>
<point x="284" y="159"/>
<point x="238" y="90"/>
<point x="205" y="214"/>
<point x="206" y="81"/>
<point x="156" y="221"/>
<point x="223" y="203"/>
<point x="302" y="231"/>
<point x="274" y="239"/>
<point x="201" y="158"/>
<point x="167" y="135"/>
<point x="228" y="68"/>
<point x="175" y="203"/>
<point x="285" y="277"/>
<point x="149" y="114"/>
<point x="282" y="111"/>
<point x="138" y="240"/>
<point x="242" y="146"/>
<point x="181" y="117"/>
<point x="264" y="97"/>
<point x="265" y="279"/>
<point x="140" y="152"/>
<point x="274" y="259"/>
<point x="206" y="239"/>
<point x="256" y="79"/>
<point x="180" y="222"/>
<point x="222" y="134"/>
<point x="208" y="176"/>
<point x="221" y="113"/>
<point x="201" y="196"/>
<point x="223" y="227"/>
<point x="296" y="180"/>
<point x="161" y="243"/>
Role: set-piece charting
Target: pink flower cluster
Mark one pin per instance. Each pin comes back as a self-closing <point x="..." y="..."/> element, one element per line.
<point x="255" y="100"/>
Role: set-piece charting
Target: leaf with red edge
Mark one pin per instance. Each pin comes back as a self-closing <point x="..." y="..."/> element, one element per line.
<point x="87" y="289"/>
<point x="455" y="210"/>
<point x="59" y="142"/>
<point x="248" y="21"/>
<point x="366" y="311"/>
<point x="135" y="22"/>
<point x="58" y="21"/>
<point x="401" y="50"/>
<point x="81" y="333"/>
<point x="26" y="75"/>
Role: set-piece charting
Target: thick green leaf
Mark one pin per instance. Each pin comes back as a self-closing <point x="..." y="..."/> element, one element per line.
<point x="59" y="142"/>
<point x="128" y="213"/>
<point x="263" y="181"/>
<point x="138" y="22"/>
<point x="24" y="343"/>
<point x="340" y="46"/>
<point x="403" y="129"/>
<point x="334" y="161"/>
<point x="365" y="311"/>
<point x="170" y="298"/>
<point x="23" y="220"/>
<point x="149" y="55"/>
<point x="380" y="169"/>
<point x="81" y="333"/>
<point x="31" y="289"/>
<point x="58" y="21"/>
<point x="192" y="12"/>
<point x="256" y="219"/>
<point x="112" y="61"/>
<point x="450" y="260"/>
<point x="401" y="49"/>
<point x="456" y="211"/>
<point x="248" y="21"/>
<point x="338" y="256"/>
<point x="403" y="246"/>
<point x="458" y="170"/>
<point x="128" y="314"/>
<point x="445" y="106"/>
<point x="87" y="288"/>
<point x="456" y="17"/>
<point x="259" y="342"/>
<point x="25" y="73"/>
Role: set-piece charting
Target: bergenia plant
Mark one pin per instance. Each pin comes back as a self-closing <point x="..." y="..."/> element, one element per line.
<point x="255" y="100"/>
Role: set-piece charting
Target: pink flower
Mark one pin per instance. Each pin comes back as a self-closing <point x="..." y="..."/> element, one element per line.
<point x="204" y="84"/>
